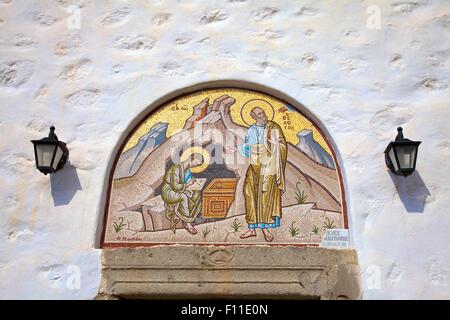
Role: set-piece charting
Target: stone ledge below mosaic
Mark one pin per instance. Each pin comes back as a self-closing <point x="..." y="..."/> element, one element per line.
<point x="287" y="272"/>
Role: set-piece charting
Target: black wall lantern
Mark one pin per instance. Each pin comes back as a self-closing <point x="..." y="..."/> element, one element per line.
<point x="50" y="153"/>
<point x="401" y="155"/>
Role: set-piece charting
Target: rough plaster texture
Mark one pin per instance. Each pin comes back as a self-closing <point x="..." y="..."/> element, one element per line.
<point x="95" y="82"/>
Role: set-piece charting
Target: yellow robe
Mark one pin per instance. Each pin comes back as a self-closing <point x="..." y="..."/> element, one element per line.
<point x="264" y="181"/>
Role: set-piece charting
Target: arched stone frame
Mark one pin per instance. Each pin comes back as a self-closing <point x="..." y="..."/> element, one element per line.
<point x="347" y="257"/>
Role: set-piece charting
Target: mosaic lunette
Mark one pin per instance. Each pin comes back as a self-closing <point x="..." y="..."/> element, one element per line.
<point x="224" y="166"/>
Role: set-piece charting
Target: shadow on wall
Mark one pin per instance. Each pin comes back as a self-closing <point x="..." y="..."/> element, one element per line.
<point x="412" y="191"/>
<point x="64" y="183"/>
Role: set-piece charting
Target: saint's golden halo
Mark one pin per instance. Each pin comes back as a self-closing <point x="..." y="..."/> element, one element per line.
<point x="201" y="151"/>
<point x="248" y="107"/>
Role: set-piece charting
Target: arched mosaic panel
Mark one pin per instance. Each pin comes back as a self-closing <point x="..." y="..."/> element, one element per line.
<point x="224" y="166"/>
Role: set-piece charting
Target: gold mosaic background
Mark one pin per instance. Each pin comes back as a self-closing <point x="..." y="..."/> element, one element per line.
<point x="178" y="111"/>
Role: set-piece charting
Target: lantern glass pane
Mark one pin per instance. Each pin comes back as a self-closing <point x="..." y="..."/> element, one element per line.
<point x="393" y="160"/>
<point x="58" y="155"/>
<point x="406" y="156"/>
<point x="45" y="154"/>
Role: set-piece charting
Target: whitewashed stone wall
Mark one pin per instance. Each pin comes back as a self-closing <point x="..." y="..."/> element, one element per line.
<point x="361" y="67"/>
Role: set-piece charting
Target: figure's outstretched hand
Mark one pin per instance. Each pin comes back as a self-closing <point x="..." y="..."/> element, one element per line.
<point x="230" y="149"/>
<point x="191" y="182"/>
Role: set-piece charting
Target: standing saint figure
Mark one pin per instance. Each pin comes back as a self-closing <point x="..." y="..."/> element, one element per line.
<point x="181" y="204"/>
<point x="264" y="183"/>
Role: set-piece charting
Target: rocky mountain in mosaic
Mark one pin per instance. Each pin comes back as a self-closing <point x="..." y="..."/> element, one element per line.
<point x="132" y="159"/>
<point x="313" y="149"/>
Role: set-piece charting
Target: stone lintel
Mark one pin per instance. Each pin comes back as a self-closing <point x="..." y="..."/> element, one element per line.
<point x="273" y="272"/>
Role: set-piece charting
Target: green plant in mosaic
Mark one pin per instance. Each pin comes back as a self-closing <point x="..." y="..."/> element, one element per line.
<point x="119" y="226"/>
<point x="293" y="230"/>
<point x="236" y="225"/>
<point x="315" y="229"/>
<point x="300" y="196"/>
<point x="206" y="232"/>
<point x="328" y="224"/>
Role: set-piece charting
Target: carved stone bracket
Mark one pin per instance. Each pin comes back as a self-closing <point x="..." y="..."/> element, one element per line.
<point x="286" y="272"/>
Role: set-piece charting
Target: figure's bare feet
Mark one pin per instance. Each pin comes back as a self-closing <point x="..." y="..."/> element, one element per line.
<point x="250" y="233"/>
<point x="267" y="235"/>
<point x="190" y="228"/>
